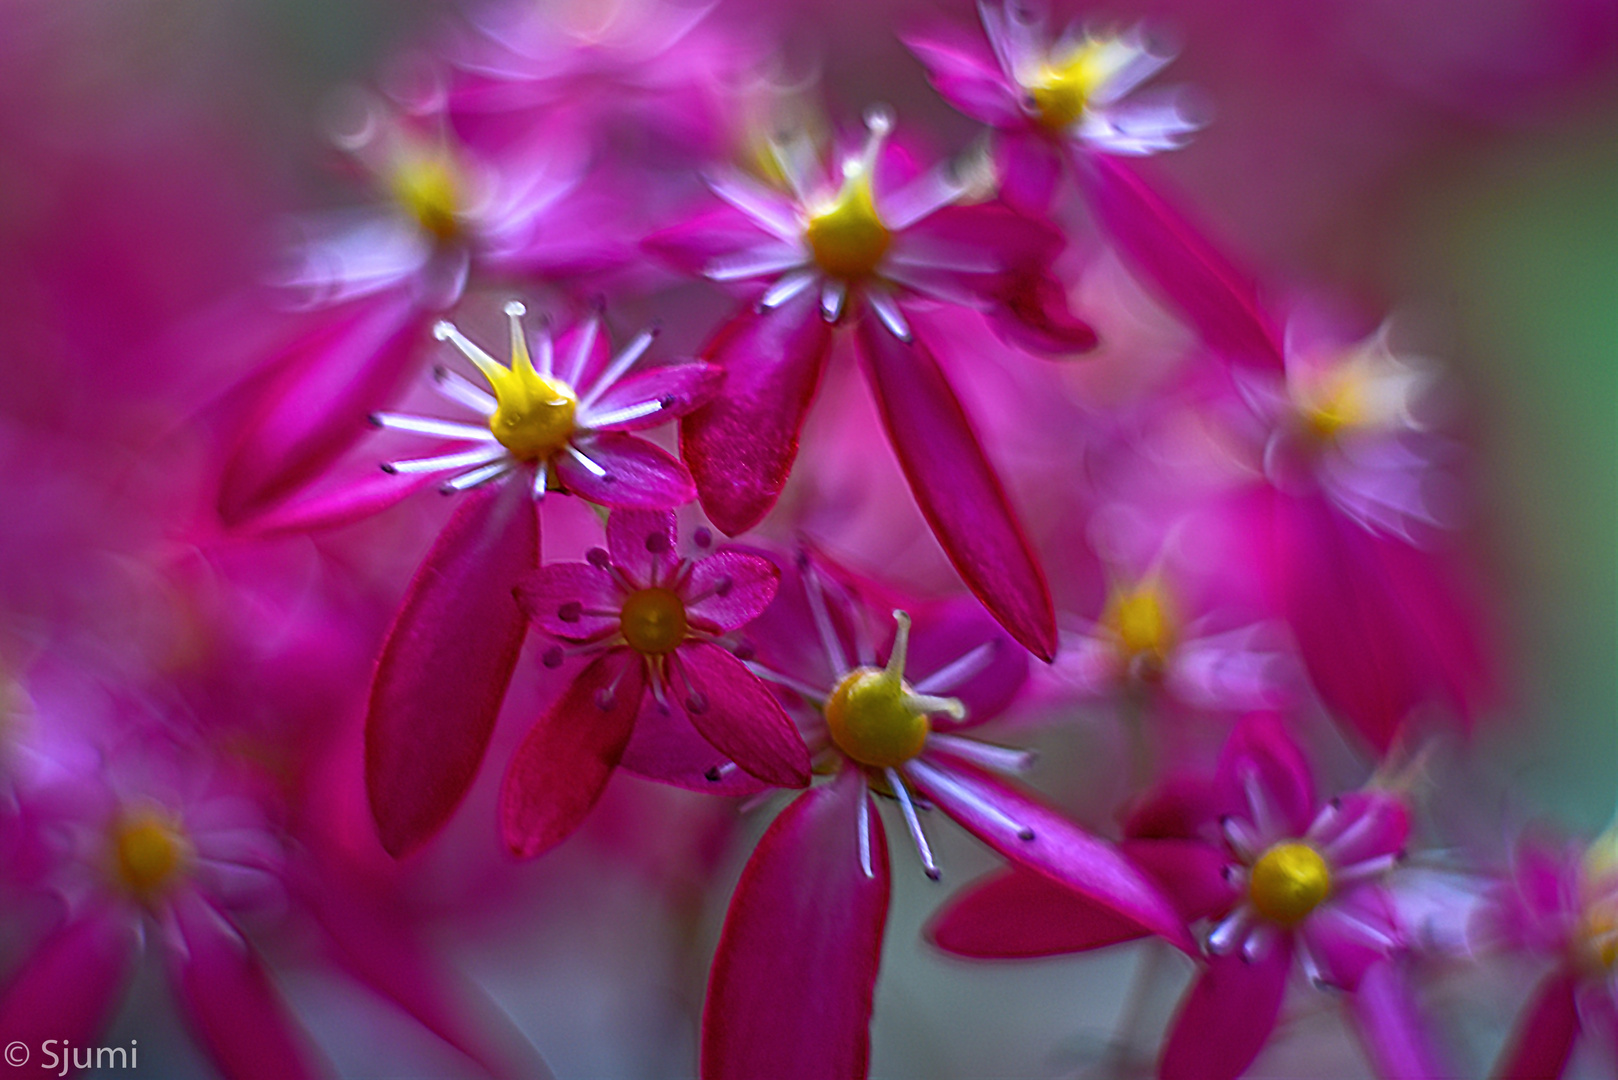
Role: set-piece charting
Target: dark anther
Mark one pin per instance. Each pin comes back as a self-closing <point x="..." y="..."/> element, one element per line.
<point x="696" y="702"/>
<point x="375" y="419"/>
<point x="744" y="650"/>
<point x="570" y="611"/>
<point x="1025" y="833"/>
<point x="657" y="543"/>
<point x="598" y="558"/>
<point x="604" y="700"/>
<point x="712" y="775"/>
<point x="702" y="537"/>
<point x="552" y="657"/>
<point x="666" y="401"/>
<point x="722" y="586"/>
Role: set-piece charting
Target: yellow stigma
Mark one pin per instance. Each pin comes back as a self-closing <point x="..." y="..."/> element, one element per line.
<point x="876" y="718"/>
<point x="1336" y="402"/>
<point x="534" y="412"/>
<point x="1062" y="86"/>
<point x="149" y="851"/>
<point x="426" y="185"/>
<point x="653" y="621"/>
<point x="1288" y="882"/>
<point x="1142" y="620"/>
<point x="846" y="235"/>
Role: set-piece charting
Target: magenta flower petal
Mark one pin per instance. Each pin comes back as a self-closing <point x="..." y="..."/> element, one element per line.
<point x="641" y="544"/>
<point x="354" y="362"/>
<point x="1038" y="838"/>
<point x="741" y="445"/>
<point x="961" y="631"/>
<point x="572" y="601"/>
<point x="790" y="992"/>
<point x="966" y="74"/>
<point x="729" y="589"/>
<point x="445" y="665"/>
<point x="1389" y="1023"/>
<point x="71" y="986"/>
<point x="733" y="709"/>
<point x="956" y="488"/>
<point x="1176" y="259"/>
<point x="232" y="1005"/>
<point x="680" y="388"/>
<point x="1228" y="1016"/>
<point x="635" y="474"/>
<point x="1033" y="315"/>
<point x="1352" y="934"/>
<point x="666" y="748"/>
<point x="1380" y="824"/>
<point x="1260" y="760"/>
<point x="1017" y="913"/>
<point x="566" y="759"/>
<point x="342" y="505"/>
<point x="694" y="244"/>
<point x="1030" y="166"/>
<point x="1190" y="872"/>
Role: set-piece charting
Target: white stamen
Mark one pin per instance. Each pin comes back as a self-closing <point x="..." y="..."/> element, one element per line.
<point x="925" y="195"/>
<point x="865" y="829"/>
<point x="582" y="350"/>
<point x="1348" y="837"/>
<point x="930" y="776"/>
<point x="515" y="310"/>
<point x="912" y="822"/>
<point x="444" y="462"/>
<point x="832" y="294"/>
<point x="1239" y="835"/>
<point x="788" y="287"/>
<point x="959" y="670"/>
<point x="456" y="388"/>
<point x="802" y="689"/>
<point x="999" y="758"/>
<point x="446" y="331"/>
<point x="1364" y="871"/>
<point x="1258" y="943"/>
<point x="933" y="705"/>
<point x="426" y="425"/>
<point x="1307" y="961"/>
<point x="1378" y="936"/>
<point x="620" y="364"/>
<point x="828" y="636"/>
<point x="595" y="470"/>
<point x="469" y="480"/>
<point x="1264" y="818"/>
<point x="1230" y="930"/>
<point x="901" y="645"/>
<point x="887" y="310"/>
<point x="541" y="479"/>
<point x="759" y="203"/>
<point x="756" y="262"/>
<point x="625" y="414"/>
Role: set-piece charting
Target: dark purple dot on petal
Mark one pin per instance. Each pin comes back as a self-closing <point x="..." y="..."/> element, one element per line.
<point x="802" y="560"/>
<point x="570" y="611"/>
<point x="696" y="702"/>
<point x="598" y="558"/>
<point x="604" y="699"/>
<point x="722" y="586"/>
<point x="744" y="650"/>
<point x="657" y="543"/>
<point x="712" y="775"/>
<point x="552" y="657"/>
<point x="702" y="537"/>
<point x="666" y="401"/>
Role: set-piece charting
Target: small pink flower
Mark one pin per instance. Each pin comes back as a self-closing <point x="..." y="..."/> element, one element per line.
<point x="651" y="622"/>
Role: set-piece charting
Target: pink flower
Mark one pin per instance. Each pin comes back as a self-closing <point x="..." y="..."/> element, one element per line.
<point x="813" y="898"/>
<point x="856" y="244"/>
<point x="451" y="650"/>
<point x="651" y="622"/>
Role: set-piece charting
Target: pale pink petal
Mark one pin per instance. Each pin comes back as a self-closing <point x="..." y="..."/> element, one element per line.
<point x="956" y="487"/>
<point x="1179" y="262"/>
<point x="233" y="1007"/>
<point x="1018" y="913"/>
<point x="1030" y="167"/>
<point x="729" y="589"/>
<point x="965" y="73"/>
<point x="677" y="388"/>
<point x="1391" y="1027"/>
<point x="1038" y="838"/>
<point x="1033" y="314"/>
<point x="741" y="445"/>
<point x="341" y="505"/>
<point x="1542" y="1043"/>
<point x="70" y="987"/>
<point x="445" y="665"/>
<point x="634" y="474"/>
<point x="353" y="362"/>
<point x="666" y="748"/>
<point x="572" y="601"/>
<point x="566" y="759"/>
<point x="733" y="709"/>
<point x="1362" y="825"/>
<point x="1228" y="1016"/>
<point x="789" y="996"/>
<point x="641" y="543"/>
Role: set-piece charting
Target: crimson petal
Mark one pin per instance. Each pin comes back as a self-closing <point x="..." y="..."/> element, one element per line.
<point x="679" y="388"/>
<point x="70" y="987"/>
<point x="790" y="993"/>
<point x="445" y="665"/>
<point x="564" y="600"/>
<point x="733" y="709"/>
<point x="957" y="488"/>
<point x="741" y="445"/>
<point x="1389" y="1024"/>
<point x="566" y="759"/>
<point x="1227" y="1017"/>
<point x="636" y="474"/>
<point x="729" y="589"/>
<point x="1017" y="913"/>
<point x="1543" y="1041"/>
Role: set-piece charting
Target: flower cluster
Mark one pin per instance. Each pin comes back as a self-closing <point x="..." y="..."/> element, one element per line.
<point x="665" y="462"/>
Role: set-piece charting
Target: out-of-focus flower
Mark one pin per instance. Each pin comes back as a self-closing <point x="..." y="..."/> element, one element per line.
<point x="814" y="896"/>
<point x="649" y="619"/>
<point x="451" y="650"/>
<point x="854" y="244"/>
<point x="1287" y="878"/>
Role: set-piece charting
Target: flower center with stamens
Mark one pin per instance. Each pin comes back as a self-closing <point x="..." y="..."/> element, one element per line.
<point x="872" y="721"/>
<point x="149" y="852"/>
<point x="1142" y="621"/>
<point x="1062" y="87"/>
<point x="430" y="192"/>
<point x="848" y="238"/>
<point x="1334" y="403"/>
<point x="653" y="621"/>
<point x="535" y="413"/>
<point x="1288" y="882"/>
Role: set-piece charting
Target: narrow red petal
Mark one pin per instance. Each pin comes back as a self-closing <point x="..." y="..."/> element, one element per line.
<point x="1018" y="913"/>
<point x="1227" y="1017"/>
<point x="1389" y="1022"/>
<point x="733" y="709"/>
<point x="1543" y="1041"/>
<point x="70" y="987"/>
<point x="445" y="665"/>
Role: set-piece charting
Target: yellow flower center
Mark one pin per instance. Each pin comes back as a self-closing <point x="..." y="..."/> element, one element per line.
<point x="427" y="186"/>
<point x="876" y="718"/>
<point x="149" y="852"/>
<point x="534" y="413"/>
<point x="1142" y="620"/>
<point x="653" y="621"/>
<point x="848" y="238"/>
<point x="1336" y="402"/>
<point x="1063" y="86"/>
<point x="1288" y="882"/>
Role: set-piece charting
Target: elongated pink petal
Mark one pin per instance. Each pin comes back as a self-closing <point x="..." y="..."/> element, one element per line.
<point x="1018" y="913"/>
<point x="678" y="388"/>
<point x="1370" y="823"/>
<point x="1190" y="872"/>
<point x="641" y="543"/>
<point x="789" y="996"/>
<point x="1179" y="262"/>
<point x="729" y="589"/>
<point x="956" y="487"/>
<point x="638" y="475"/>
<point x="1389" y="1022"/>
<point x="961" y="632"/>
<point x="1033" y="315"/>
<point x="572" y="601"/>
<point x="1542" y="1042"/>
<point x="1260" y="761"/>
<point x="666" y="748"/>
<point x="355" y="361"/>
<point x="694" y="244"/>
<point x="445" y="665"/>
<point x="1038" y="838"/>
<point x="1445" y="621"/>
<point x="1228" y="1016"/>
<point x="733" y="709"/>
<point x="345" y="504"/>
<point x="71" y="985"/>
<point x="741" y="445"/>
<point x="1030" y="167"/>
<point x="965" y="73"/>
<point x="566" y="759"/>
<point x="233" y="1007"/>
